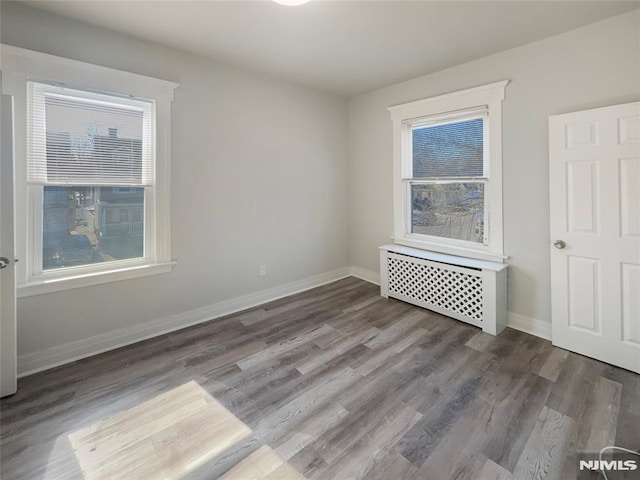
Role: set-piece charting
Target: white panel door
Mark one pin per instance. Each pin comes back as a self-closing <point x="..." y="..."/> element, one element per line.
<point x="594" y="171"/>
<point x="8" y="383"/>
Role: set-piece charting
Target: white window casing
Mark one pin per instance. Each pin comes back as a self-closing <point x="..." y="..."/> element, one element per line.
<point x="24" y="69"/>
<point x="484" y="101"/>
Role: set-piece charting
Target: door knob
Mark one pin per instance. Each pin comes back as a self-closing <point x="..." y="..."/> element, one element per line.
<point x="559" y="244"/>
<point x="4" y="262"/>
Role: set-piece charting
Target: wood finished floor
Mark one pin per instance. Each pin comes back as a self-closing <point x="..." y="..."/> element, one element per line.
<point x="332" y="383"/>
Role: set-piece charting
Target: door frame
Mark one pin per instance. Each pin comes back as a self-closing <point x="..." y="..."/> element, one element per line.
<point x="8" y="327"/>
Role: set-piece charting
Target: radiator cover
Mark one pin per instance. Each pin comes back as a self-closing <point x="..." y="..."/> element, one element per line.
<point x="468" y="290"/>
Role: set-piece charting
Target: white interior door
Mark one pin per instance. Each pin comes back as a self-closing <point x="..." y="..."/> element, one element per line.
<point x="594" y="171"/>
<point x="8" y="381"/>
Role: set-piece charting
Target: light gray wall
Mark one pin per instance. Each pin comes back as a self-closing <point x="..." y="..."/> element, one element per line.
<point x="259" y="176"/>
<point x="590" y="67"/>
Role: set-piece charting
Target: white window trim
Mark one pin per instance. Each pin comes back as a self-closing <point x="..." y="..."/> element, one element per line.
<point x="490" y="95"/>
<point x="20" y="66"/>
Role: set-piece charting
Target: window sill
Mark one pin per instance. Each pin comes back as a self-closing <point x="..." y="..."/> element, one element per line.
<point x="51" y="285"/>
<point x="452" y="250"/>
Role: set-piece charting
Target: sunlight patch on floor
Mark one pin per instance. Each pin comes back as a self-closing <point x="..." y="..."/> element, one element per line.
<point x="165" y="437"/>
<point x="263" y="464"/>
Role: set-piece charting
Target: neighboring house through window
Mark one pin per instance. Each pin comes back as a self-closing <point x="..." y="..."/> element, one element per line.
<point x="448" y="173"/>
<point x="91" y="144"/>
<point x="92" y="171"/>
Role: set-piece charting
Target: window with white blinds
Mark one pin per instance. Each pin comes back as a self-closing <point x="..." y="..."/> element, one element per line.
<point x="448" y="172"/>
<point x="90" y="158"/>
<point x="92" y="171"/>
<point x="84" y="138"/>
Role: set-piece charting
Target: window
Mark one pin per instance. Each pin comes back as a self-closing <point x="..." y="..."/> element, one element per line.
<point x="91" y="172"/>
<point x="80" y="144"/>
<point x="447" y="173"/>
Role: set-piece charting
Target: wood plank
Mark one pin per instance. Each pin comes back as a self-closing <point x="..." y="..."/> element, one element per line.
<point x="335" y="349"/>
<point x="395" y="330"/>
<point x="598" y="424"/>
<point x="308" y="462"/>
<point x="629" y="408"/>
<point x="481" y="341"/>
<point x="543" y="456"/>
<point x="492" y="471"/>
<point x="283" y="472"/>
<point x="553" y="365"/>
<point x="327" y="418"/>
<point x="282" y="347"/>
<point x="263" y="464"/>
<point x="394" y="466"/>
<point x="418" y="444"/>
<point x="571" y="391"/>
<point x="461" y="365"/>
<point x="361" y="457"/>
<point x="603" y="415"/>
<point x="515" y="416"/>
<point x="456" y="450"/>
<point x="383" y="356"/>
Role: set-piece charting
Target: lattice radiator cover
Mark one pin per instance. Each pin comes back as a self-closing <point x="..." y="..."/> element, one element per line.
<point x="447" y="287"/>
<point x="474" y="291"/>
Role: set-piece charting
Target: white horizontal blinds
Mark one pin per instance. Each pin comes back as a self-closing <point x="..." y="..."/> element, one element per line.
<point x="85" y="138"/>
<point x="450" y="146"/>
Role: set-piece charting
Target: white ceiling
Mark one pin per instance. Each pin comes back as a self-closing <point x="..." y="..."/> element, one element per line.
<point x="345" y="47"/>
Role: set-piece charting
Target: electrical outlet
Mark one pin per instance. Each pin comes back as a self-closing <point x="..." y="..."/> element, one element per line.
<point x="262" y="270"/>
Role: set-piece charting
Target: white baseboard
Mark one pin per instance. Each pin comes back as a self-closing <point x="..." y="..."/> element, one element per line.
<point x="72" y="351"/>
<point x="366" y="275"/>
<point x="529" y="325"/>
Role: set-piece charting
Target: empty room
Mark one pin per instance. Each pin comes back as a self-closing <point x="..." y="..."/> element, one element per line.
<point x="321" y="240"/>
